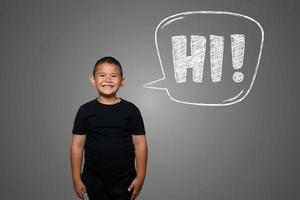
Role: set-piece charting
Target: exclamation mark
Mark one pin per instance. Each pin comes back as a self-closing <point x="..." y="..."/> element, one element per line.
<point x="237" y="51"/>
<point x="216" y="57"/>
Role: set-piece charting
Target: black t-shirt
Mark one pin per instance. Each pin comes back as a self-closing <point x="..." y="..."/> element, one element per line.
<point x="108" y="129"/>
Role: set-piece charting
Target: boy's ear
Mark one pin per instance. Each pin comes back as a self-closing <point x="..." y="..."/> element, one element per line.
<point x="92" y="80"/>
<point x="123" y="81"/>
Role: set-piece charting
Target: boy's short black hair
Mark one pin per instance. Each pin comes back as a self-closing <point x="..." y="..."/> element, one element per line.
<point x="110" y="60"/>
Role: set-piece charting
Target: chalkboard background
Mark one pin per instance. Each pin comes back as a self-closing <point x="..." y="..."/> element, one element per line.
<point x="246" y="151"/>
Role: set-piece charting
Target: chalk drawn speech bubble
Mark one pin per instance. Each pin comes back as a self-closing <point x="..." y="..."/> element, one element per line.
<point x="208" y="58"/>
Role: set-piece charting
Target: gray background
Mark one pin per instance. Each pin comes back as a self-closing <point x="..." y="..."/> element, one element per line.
<point x="246" y="151"/>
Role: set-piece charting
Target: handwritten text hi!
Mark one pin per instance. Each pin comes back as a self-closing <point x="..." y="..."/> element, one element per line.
<point x="212" y="46"/>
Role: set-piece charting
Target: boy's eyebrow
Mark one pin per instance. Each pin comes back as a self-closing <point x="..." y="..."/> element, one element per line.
<point x="106" y="73"/>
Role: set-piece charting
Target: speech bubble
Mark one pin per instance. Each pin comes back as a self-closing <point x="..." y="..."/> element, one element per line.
<point x="208" y="58"/>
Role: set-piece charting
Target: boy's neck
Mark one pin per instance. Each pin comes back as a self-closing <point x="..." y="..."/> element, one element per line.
<point x="108" y="100"/>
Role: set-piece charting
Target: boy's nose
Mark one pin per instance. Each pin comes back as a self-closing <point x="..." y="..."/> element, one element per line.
<point x="108" y="78"/>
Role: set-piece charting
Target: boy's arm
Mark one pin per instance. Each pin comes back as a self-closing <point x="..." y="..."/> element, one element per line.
<point x="141" y="154"/>
<point x="76" y="155"/>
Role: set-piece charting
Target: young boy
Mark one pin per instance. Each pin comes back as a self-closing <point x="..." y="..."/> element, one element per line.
<point x="110" y="131"/>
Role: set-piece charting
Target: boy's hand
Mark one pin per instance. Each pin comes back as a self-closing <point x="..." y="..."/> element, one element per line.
<point x="136" y="185"/>
<point x="80" y="189"/>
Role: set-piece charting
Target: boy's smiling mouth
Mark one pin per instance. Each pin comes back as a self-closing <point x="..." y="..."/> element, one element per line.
<point x="107" y="86"/>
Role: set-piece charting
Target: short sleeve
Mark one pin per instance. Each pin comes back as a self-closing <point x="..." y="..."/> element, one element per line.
<point x="137" y="123"/>
<point x="78" y="126"/>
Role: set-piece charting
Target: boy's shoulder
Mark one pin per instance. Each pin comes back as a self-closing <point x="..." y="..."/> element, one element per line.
<point x="87" y="104"/>
<point x="129" y="103"/>
<point x="131" y="106"/>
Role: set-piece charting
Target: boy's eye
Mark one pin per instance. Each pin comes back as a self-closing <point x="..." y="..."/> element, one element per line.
<point x="105" y="75"/>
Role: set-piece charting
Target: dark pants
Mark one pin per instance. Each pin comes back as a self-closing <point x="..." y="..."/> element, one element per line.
<point x="108" y="187"/>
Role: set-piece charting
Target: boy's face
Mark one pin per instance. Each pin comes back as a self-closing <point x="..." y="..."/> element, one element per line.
<point x="107" y="79"/>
